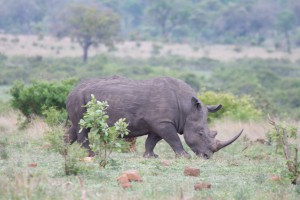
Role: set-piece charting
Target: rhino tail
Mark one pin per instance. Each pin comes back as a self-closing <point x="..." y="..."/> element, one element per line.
<point x="67" y="120"/>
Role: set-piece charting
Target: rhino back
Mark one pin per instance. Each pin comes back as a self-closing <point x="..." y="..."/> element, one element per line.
<point x="142" y="103"/>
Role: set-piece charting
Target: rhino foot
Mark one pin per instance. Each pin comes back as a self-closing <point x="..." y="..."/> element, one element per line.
<point x="91" y="153"/>
<point x="150" y="155"/>
<point x="183" y="154"/>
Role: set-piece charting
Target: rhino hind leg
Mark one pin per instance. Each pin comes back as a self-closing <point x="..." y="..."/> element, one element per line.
<point x="151" y="142"/>
<point x="70" y="137"/>
<point x="82" y="138"/>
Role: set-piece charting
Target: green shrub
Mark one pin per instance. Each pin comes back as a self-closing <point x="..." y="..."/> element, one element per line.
<point x="40" y="96"/>
<point x="72" y="154"/>
<point x="103" y="139"/>
<point x="238" y="108"/>
<point x="53" y="116"/>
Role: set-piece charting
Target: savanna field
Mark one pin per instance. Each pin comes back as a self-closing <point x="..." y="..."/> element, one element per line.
<point x="31" y="168"/>
<point x="244" y="55"/>
<point x="33" y="165"/>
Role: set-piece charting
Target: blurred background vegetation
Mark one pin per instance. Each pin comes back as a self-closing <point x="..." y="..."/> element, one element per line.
<point x="222" y="21"/>
<point x="267" y="85"/>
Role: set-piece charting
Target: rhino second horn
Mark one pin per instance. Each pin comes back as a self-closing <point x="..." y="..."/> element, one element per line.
<point x="221" y="145"/>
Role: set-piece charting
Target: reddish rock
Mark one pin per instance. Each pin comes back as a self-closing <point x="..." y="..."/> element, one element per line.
<point x="275" y="178"/>
<point x="133" y="175"/>
<point x="200" y="186"/>
<point x="123" y="179"/>
<point x="32" y="165"/>
<point x="190" y="171"/>
<point x="166" y="162"/>
<point x="47" y="146"/>
<point x="126" y="185"/>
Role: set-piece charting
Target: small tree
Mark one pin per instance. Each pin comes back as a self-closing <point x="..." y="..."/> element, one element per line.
<point x="88" y="25"/>
<point x="286" y="23"/>
<point x="169" y="15"/>
<point x="102" y="137"/>
<point x="281" y="135"/>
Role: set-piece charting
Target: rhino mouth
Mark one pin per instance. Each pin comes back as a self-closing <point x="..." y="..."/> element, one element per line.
<point x="204" y="155"/>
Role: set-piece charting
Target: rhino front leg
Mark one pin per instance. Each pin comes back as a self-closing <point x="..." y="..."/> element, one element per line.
<point x="151" y="141"/>
<point x="170" y="135"/>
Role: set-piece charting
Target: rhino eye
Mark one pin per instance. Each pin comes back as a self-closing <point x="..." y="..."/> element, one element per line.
<point x="200" y="132"/>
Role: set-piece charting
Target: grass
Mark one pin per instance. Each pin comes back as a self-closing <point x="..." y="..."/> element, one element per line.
<point x="235" y="172"/>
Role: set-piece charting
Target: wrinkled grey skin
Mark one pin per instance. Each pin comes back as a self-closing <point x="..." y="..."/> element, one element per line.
<point x="160" y="108"/>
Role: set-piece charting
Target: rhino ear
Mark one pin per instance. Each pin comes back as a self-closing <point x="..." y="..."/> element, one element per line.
<point x="213" y="109"/>
<point x="196" y="102"/>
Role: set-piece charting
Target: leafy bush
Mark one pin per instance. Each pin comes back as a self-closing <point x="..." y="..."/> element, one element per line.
<point x="101" y="137"/>
<point x="238" y="108"/>
<point x="40" y="96"/>
<point x="72" y="154"/>
<point x="274" y="84"/>
<point x="53" y="116"/>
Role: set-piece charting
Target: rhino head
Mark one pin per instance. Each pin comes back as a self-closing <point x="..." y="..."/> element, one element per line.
<point x="197" y="134"/>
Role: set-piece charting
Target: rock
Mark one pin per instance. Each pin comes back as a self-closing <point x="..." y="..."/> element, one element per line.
<point x="133" y="175"/>
<point x="166" y="162"/>
<point x="126" y="185"/>
<point x="190" y="171"/>
<point x="275" y="178"/>
<point x="123" y="179"/>
<point x="32" y="165"/>
<point x="128" y="176"/>
<point x="47" y="146"/>
<point x="200" y="186"/>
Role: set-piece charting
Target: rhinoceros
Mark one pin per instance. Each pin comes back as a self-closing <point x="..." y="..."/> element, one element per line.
<point x="161" y="108"/>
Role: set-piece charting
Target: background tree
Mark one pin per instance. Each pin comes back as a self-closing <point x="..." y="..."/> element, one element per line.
<point x="18" y="16"/>
<point x="89" y="25"/>
<point x="168" y="15"/>
<point x="286" y="23"/>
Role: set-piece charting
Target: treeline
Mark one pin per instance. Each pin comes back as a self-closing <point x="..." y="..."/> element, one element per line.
<point x="273" y="85"/>
<point x="253" y="22"/>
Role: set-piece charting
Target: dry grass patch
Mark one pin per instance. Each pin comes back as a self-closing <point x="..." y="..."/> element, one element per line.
<point x="8" y="122"/>
<point x="253" y="130"/>
<point x="37" y="129"/>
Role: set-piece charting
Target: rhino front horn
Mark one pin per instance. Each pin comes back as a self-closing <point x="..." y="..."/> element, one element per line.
<point x="221" y="145"/>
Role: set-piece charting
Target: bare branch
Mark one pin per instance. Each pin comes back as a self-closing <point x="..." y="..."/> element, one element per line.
<point x="296" y="162"/>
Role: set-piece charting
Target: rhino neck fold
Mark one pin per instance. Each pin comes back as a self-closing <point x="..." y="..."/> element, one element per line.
<point x="180" y="116"/>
